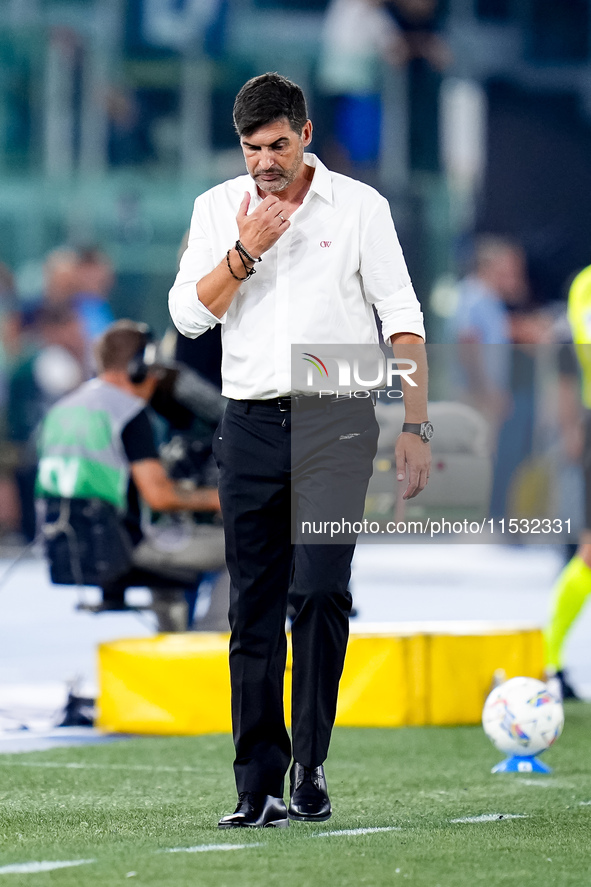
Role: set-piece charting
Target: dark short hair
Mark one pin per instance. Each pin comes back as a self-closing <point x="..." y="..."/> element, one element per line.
<point x="120" y="343"/>
<point x="267" y="98"/>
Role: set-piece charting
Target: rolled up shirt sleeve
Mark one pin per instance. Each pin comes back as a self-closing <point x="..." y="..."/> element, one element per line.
<point x="386" y="281"/>
<point x="189" y="315"/>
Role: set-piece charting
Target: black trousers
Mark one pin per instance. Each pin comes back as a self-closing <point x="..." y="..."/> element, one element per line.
<point x="278" y="469"/>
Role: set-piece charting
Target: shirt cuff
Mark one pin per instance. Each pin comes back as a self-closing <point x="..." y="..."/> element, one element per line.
<point x="398" y="317"/>
<point x="189" y="315"/>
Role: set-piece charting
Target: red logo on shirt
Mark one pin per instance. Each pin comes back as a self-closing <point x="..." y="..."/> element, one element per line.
<point x="325" y="243"/>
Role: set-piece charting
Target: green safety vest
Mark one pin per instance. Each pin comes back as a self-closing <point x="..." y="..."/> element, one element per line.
<point x="579" y="318"/>
<point x="81" y="455"/>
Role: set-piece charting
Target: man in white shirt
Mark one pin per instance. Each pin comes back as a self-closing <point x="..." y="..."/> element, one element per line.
<point x="293" y="253"/>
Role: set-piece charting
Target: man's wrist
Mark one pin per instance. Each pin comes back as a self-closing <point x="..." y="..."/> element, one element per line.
<point x="424" y="430"/>
<point x="246" y="254"/>
<point x="241" y="261"/>
<point x="248" y="269"/>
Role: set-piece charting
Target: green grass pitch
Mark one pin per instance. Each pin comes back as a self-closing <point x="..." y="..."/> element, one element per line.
<point x="125" y="806"/>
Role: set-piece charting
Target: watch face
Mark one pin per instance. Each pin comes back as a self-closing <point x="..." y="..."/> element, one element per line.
<point x="426" y="431"/>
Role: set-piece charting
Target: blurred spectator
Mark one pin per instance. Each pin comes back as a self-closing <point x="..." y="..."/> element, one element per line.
<point x="60" y="275"/>
<point x="418" y="37"/>
<point x="79" y="278"/>
<point x="357" y="36"/>
<point x="94" y="279"/>
<point x="481" y="317"/>
<point x="497" y="379"/>
<point x="530" y="325"/>
<point x="10" y="340"/>
<point x="52" y="364"/>
<point x="129" y="140"/>
<point x="57" y="287"/>
<point x="10" y="325"/>
<point x="497" y="282"/>
<point x="422" y="51"/>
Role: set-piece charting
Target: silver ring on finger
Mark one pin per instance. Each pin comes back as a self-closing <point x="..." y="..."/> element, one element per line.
<point x="282" y="219"/>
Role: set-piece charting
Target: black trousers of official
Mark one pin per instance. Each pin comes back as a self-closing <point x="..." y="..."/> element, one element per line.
<point x="272" y="479"/>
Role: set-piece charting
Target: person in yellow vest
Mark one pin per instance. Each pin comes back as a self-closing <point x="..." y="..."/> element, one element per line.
<point x="573" y="585"/>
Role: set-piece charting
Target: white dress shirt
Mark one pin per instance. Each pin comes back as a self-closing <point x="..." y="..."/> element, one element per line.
<point x="339" y="257"/>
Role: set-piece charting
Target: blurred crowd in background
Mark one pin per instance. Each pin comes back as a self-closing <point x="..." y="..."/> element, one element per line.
<point x="471" y="116"/>
<point x="45" y="352"/>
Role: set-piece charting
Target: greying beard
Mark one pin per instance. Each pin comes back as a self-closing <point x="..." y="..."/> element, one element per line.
<point x="281" y="185"/>
<point x="288" y="176"/>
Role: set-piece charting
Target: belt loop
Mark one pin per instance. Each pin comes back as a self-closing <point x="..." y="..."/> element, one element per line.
<point x="247" y="410"/>
<point x="374" y="397"/>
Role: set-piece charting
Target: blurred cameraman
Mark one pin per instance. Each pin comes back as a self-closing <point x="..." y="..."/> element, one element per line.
<point x="97" y="461"/>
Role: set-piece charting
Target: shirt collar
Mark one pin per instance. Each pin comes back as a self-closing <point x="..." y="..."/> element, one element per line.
<point x="321" y="181"/>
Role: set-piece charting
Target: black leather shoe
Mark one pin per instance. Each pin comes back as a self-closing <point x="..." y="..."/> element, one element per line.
<point x="309" y="794"/>
<point x="256" y="810"/>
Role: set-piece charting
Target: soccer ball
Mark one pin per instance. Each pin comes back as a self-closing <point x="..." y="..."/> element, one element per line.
<point x="521" y="717"/>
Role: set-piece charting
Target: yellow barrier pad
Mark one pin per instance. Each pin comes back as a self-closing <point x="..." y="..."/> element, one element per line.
<point x="395" y="674"/>
<point x="170" y="684"/>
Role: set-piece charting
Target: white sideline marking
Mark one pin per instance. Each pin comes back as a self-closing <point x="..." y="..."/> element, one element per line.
<point x="584" y="803"/>
<point x="490" y="817"/>
<point x="80" y="766"/>
<point x="546" y="783"/>
<point x="203" y="848"/>
<point x="206" y="848"/>
<point x="26" y="868"/>
<point x="358" y="831"/>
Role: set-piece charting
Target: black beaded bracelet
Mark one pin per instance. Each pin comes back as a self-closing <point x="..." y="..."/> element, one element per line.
<point x="244" y="252"/>
<point x="244" y="265"/>
<point x="249" y="272"/>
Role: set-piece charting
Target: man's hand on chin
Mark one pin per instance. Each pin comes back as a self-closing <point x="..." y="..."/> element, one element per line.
<point x="413" y="453"/>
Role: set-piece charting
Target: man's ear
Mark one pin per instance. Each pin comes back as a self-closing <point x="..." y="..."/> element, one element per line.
<point x="307" y="133"/>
